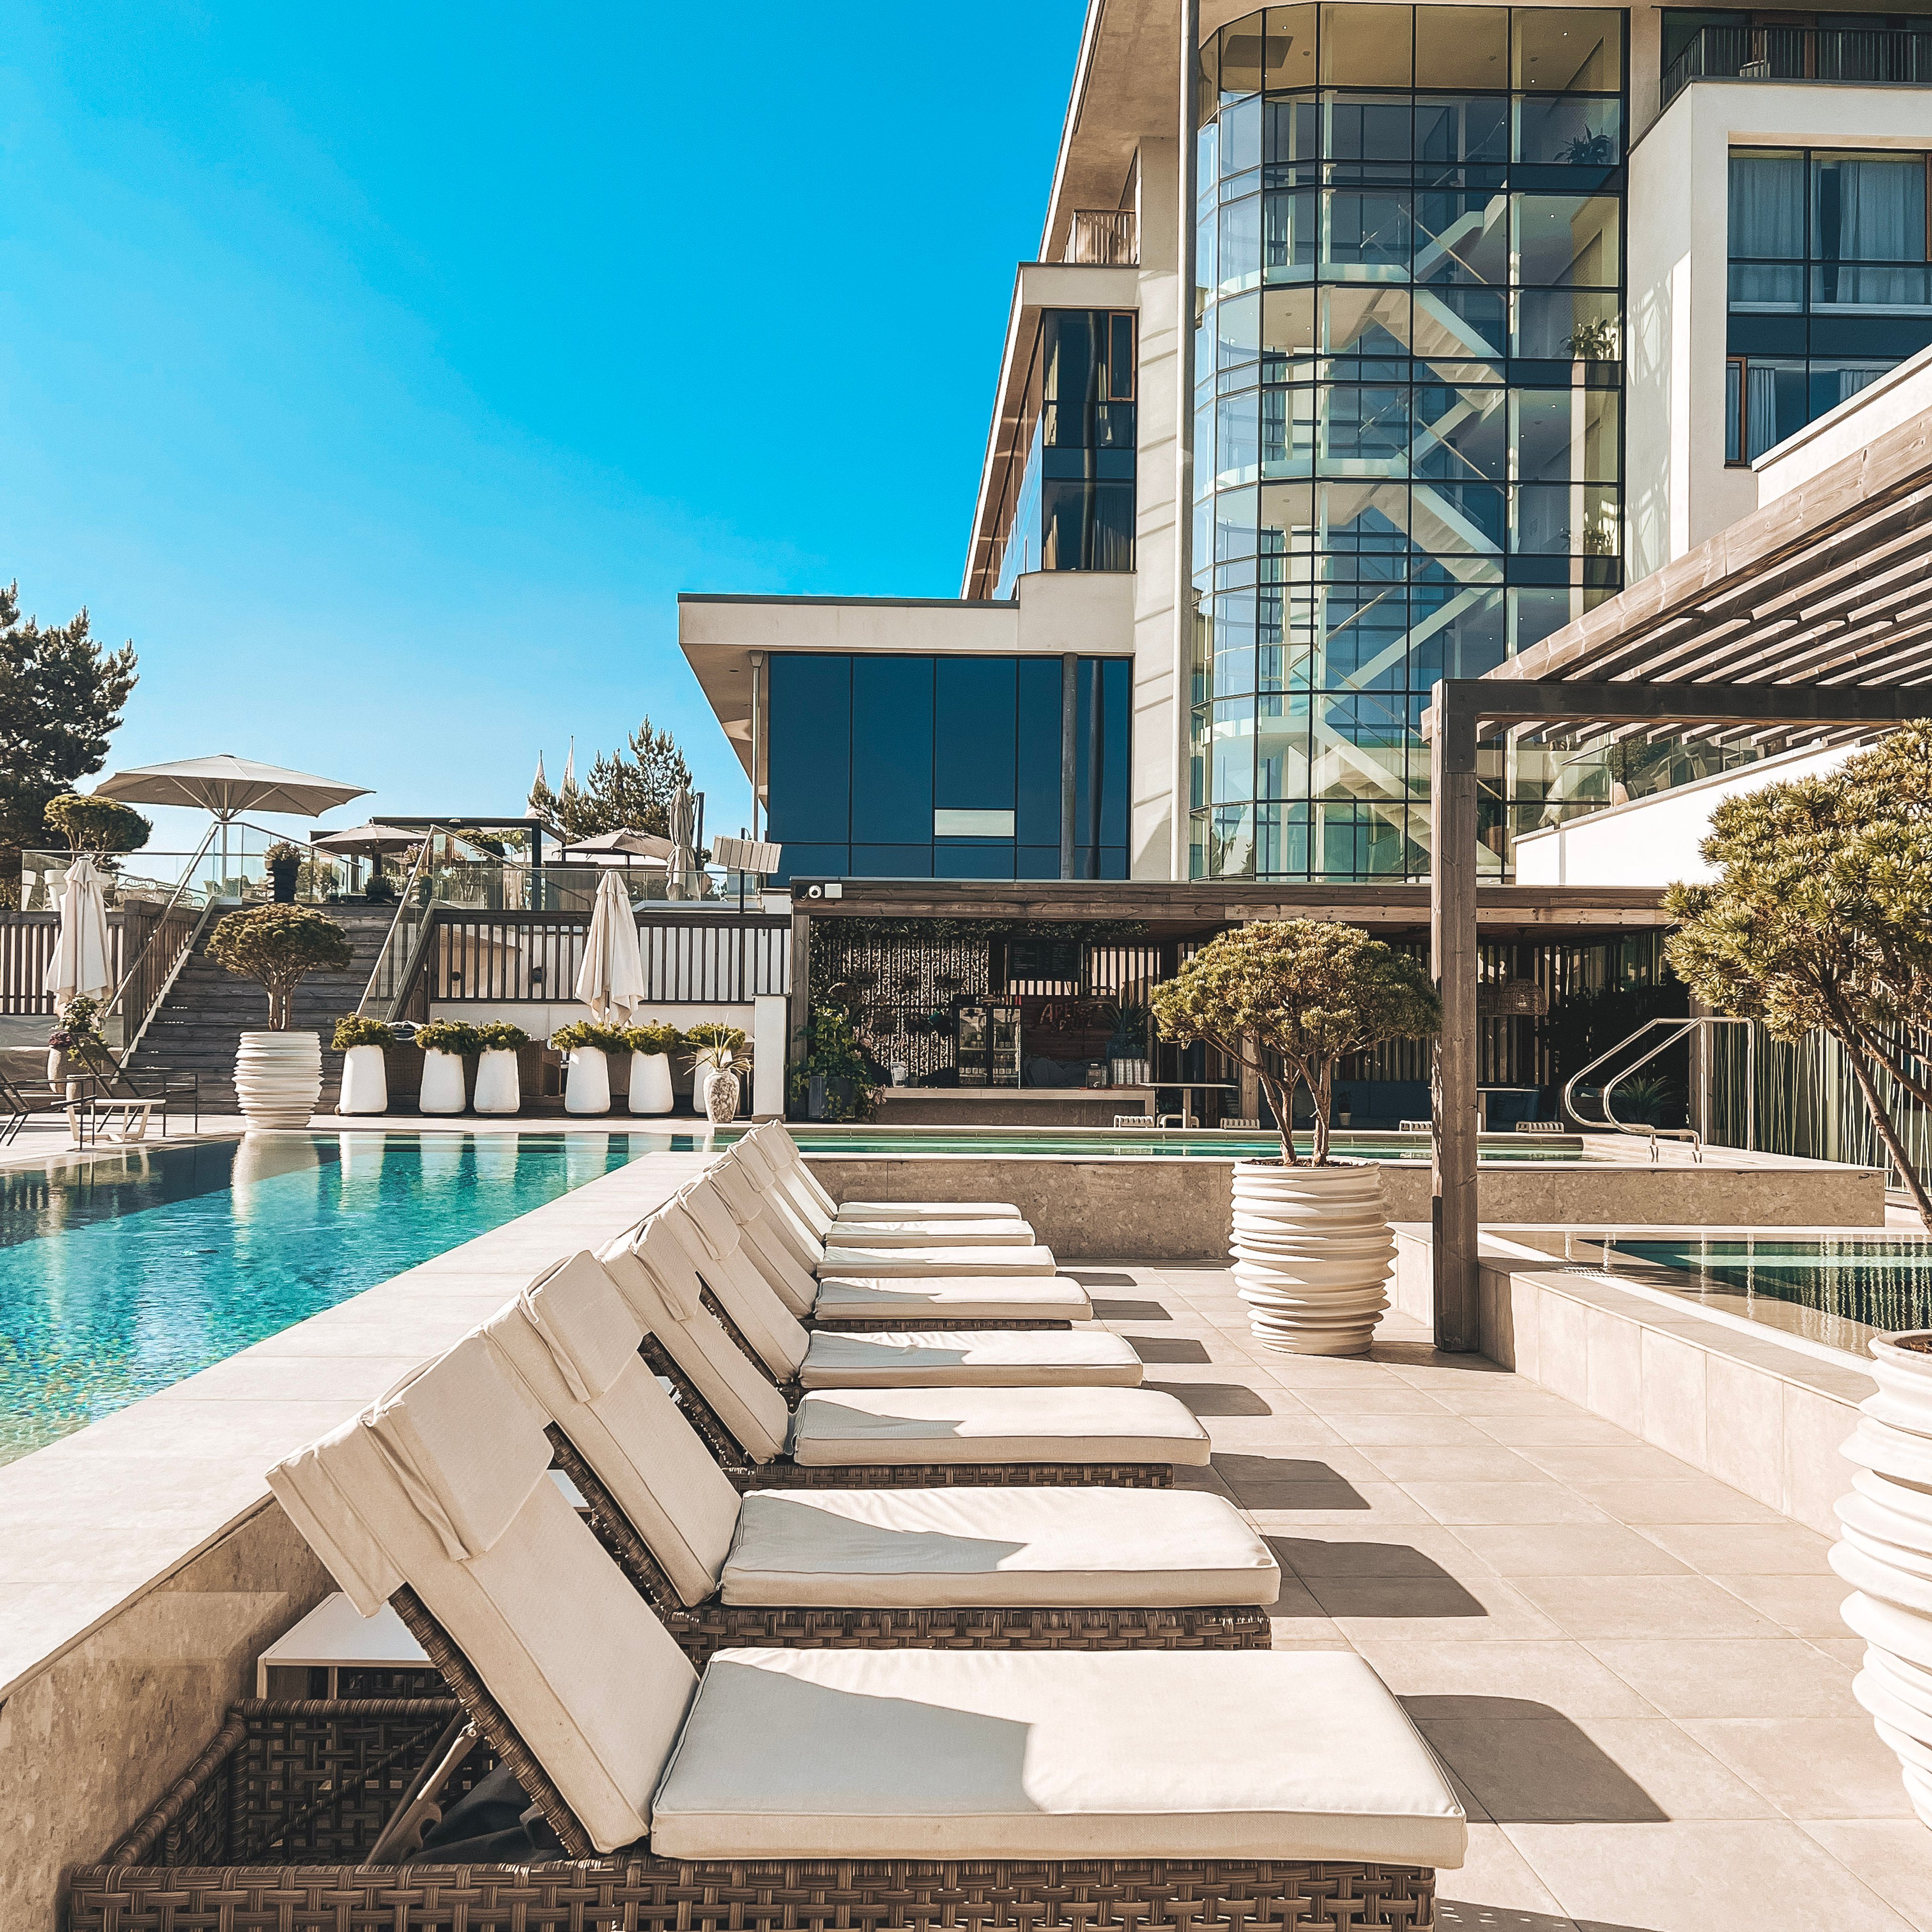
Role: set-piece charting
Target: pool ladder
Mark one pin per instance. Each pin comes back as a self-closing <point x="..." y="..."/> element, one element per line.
<point x="1679" y="1029"/>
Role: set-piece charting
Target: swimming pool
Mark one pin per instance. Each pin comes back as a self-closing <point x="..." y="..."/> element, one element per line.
<point x="124" y="1273"/>
<point x="1173" y="1144"/>
<point x="1883" y="1284"/>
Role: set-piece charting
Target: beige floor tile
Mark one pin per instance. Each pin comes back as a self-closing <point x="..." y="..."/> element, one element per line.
<point x="1847" y="1651"/>
<point x="1295" y="1506"/>
<point x="1388" y="1397"/>
<point x="1807" y="1606"/>
<point x="1735" y="1677"/>
<point x="1450" y="1463"/>
<point x="1694" y="1499"/>
<point x="1568" y="1549"/>
<point x="1503" y="1502"/>
<point x="1892" y="1856"/>
<point x="1641" y="1606"/>
<point x="1567" y="1427"/>
<point x="1496" y="1891"/>
<point x="1360" y="1549"/>
<point x="1255" y="1473"/>
<point x="1741" y="1549"/>
<point x="1639" y="1465"/>
<point x="1381" y="1429"/>
<point x="1811" y="1767"/>
<point x="1557" y="1673"/>
<point x="1699" y="1876"/>
<point x="1472" y="1608"/>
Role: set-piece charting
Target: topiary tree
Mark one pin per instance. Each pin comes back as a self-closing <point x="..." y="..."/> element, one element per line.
<point x="279" y="946"/>
<point x="90" y="824"/>
<point x="1307" y="989"/>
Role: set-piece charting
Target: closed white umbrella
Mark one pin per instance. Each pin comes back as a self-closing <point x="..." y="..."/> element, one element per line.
<point x="610" y="982"/>
<point x="683" y="829"/>
<point x="81" y="967"/>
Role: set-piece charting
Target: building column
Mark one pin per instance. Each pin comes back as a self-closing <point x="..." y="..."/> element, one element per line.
<point x="798" y="1032"/>
<point x="1069" y="719"/>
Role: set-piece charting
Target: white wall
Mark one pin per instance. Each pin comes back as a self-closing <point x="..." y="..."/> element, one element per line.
<point x="540" y="1019"/>
<point x="1652" y="841"/>
<point x="1897" y="398"/>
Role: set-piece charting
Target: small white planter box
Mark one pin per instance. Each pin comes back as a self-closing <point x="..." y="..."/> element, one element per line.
<point x="498" y="1089"/>
<point x="365" y="1081"/>
<point x="278" y="1077"/>
<point x="1313" y="1251"/>
<point x="586" y="1083"/>
<point x="651" y="1090"/>
<point x="441" y="1083"/>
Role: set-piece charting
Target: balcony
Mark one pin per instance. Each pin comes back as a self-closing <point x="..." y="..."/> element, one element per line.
<point x="1109" y="237"/>
<point x="1869" y="57"/>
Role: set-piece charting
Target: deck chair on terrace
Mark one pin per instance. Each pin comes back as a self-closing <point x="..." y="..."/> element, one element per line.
<point x="861" y="1438"/>
<point x="1033" y="1568"/>
<point x="777" y="1159"/>
<point x="1265" y="1788"/>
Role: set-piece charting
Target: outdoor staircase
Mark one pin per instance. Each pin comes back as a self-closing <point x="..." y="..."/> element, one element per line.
<point x="208" y="1009"/>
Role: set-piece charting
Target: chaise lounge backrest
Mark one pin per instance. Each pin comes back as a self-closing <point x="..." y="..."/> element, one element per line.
<point x="770" y="1236"/>
<point x="443" y="1485"/>
<point x="722" y="1238"/>
<point x="570" y="1341"/>
<point x="772" y="1159"/>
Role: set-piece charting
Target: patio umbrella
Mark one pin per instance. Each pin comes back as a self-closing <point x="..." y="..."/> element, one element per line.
<point x="81" y="967"/>
<point x="610" y="982"/>
<point x="369" y="837"/>
<point x="683" y="828"/>
<point x="227" y="786"/>
<point x="622" y="843"/>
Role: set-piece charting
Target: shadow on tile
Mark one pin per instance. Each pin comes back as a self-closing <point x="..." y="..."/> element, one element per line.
<point x="1100" y="1277"/>
<point x="1527" y="1764"/>
<point x="1284" y="1482"/>
<point x="1454" y="1915"/>
<point x="1216" y="1398"/>
<point x="1126" y="1311"/>
<point x="1168" y="1349"/>
<point x="1326" y="1566"/>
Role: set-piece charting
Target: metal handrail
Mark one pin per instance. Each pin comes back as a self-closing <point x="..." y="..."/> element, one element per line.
<point x="132" y="1039"/>
<point x="395" y="925"/>
<point x="1644" y="1129"/>
<point x="181" y="959"/>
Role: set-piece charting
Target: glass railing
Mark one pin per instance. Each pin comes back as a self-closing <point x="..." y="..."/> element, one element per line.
<point x="1872" y="57"/>
<point x="239" y="872"/>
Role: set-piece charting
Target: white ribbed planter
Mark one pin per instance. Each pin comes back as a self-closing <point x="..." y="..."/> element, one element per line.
<point x="441" y="1083"/>
<point x="365" y="1081"/>
<point x="650" y="1084"/>
<point x="1312" y="1251"/>
<point x="498" y="1089"/>
<point x="278" y="1077"/>
<point x="586" y="1084"/>
<point x="1884" y="1551"/>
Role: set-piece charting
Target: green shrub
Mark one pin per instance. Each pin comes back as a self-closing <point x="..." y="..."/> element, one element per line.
<point x="500" y="1036"/>
<point x="279" y="946"/>
<point x="283" y="853"/>
<point x="715" y="1033"/>
<point x="359" y="1030"/>
<point x="655" y="1039"/>
<point x="589" y="1032"/>
<point x="97" y="824"/>
<point x="448" y="1036"/>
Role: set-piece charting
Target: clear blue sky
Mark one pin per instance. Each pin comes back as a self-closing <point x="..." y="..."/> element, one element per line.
<point x="385" y="372"/>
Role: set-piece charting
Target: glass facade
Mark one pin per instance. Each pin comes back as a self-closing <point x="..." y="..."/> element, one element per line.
<point x="897" y="766"/>
<point x="1407" y="437"/>
<point x="1072" y="483"/>
<point x="1830" y="283"/>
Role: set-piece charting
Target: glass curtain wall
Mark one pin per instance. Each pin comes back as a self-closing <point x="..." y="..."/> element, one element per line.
<point x="1407" y="431"/>
<point x="1830" y="283"/>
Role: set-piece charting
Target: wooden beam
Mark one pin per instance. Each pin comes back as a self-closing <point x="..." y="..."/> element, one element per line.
<point x="1456" y="1119"/>
<point x="798" y="1031"/>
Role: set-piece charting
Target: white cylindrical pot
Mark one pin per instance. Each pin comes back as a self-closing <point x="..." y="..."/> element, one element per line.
<point x="1312" y="1251"/>
<point x="586" y="1084"/>
<point x="1884" y="1551"/>
<point x="498" y="1089"/>
<point x="441" y="1083"/>
<point x="365" y="1081"/>
<point x="278" y="1077"/>
<point x="650" y="1084"/>
<point x="720" y="1096"/>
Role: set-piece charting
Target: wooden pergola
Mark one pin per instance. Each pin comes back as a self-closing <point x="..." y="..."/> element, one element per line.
<point x="1807" y="623"/>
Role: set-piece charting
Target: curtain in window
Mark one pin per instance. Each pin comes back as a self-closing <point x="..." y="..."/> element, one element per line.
<point x="1767" y="218"/>
<point x="1761" y="411"/>
<point x="1868" y="211"/>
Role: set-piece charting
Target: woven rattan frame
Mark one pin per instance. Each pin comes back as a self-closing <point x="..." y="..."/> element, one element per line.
<point x="920" y="1324"/>
<point x="148" y="1886"/>
<point x="710" y="1626"/>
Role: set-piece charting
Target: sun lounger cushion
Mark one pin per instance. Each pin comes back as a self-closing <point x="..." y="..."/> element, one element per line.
<point x="850" y="1256"/>
<point x="979" y="1358"/>
<point x="903" y="1234"/>
<point x="933" y="1754"/>
<point x="971" y="1295"/>
<point x="736" y="1271"/>
<point x="771" y="1235"/>
<point x="618" y="1417"/>
<point x="1067" y="1549"/>
<point x="1002" y="1425"/>
<point x="928" y="1210"/>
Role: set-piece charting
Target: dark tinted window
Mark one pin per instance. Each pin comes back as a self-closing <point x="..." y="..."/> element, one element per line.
<point x="809" y="767"/>
<point x="892" y="750"/>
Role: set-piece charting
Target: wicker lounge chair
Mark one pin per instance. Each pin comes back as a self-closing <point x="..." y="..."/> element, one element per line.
<point x="858" y="1437"/>
<point x="776" y="1159"/>
<point x="1023" y="1568"/>
<point x="793" y="1786"/>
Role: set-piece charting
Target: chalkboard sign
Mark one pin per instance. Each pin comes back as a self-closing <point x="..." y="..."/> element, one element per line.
<point x="1043" y="959"/>
<point x="1505" y="999"/>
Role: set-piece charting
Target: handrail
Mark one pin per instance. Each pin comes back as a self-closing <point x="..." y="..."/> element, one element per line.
<point x="1644" y="1129"/>
<point x="131" y="1041"/>
<point x="173" y="974"/>
<point x="389" y="937"/>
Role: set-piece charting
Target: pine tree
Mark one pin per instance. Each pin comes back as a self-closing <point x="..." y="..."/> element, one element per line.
<point x="631" y="793"/>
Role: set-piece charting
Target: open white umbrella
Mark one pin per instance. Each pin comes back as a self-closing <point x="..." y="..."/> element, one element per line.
<point x="228" y="786"/>
<point x="82" y="966"/>
<point x="610" y="982"/>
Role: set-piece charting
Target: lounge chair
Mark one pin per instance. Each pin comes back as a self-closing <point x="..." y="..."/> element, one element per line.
<point x="856" y="1437"/>
<point x="1034" y="1568"/>
<point x="735" y="1211"/>
<point x="788" y="1787"/>
<point x="776" y="1155"/>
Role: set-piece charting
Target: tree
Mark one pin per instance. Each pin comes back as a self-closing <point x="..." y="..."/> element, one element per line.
<point x="622" y="793"/>
<point x="61" y="697"/>
<point x="1821" y="918"/>
<point x="1308" y="990"/>
<point x="90" y="824"/>
<point x="279" y="946"/>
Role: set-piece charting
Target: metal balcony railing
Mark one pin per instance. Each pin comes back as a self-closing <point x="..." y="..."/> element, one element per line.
<point x="1110" y="236"/>
<point x="1873" y="57"/>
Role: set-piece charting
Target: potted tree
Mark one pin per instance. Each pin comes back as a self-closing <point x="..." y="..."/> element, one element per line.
<point x="498" y="1089"/>
<point x="284" y="861"/>
<point x="1289" y="999"/>
<point x="363" y="1043"/>
<point x="587" y="1046"/>
<point x="651" y="1049"/>
<point x="278" y="1072"/>
<point x="444" y="1043"/>
<point x="708" y="1039"/>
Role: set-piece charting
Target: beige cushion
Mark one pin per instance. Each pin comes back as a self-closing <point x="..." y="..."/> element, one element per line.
<point x="592" y="1681"/>
<point x="1298" y="1755"/>
<point x="779" y="1146"/>
<point x="627" y="1429"/>
<point x="1058" y="1548"/>
<point x="771" y="1238"/>
<point x="844" y="1257"/>
<point x="728" y="1260"/>
<point x="994" y="1425"/>
<point x="784" y="1178"/>
<point x="965" y="1297"/>
<point x="982" y="1357"/>
<point x="928" y="1211"/>
<point x="890" y="1233"/>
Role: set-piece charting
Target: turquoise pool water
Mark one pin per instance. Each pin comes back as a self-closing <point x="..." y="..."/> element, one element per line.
<point x="1175" y="1144"/>
<point x="1882" y="1284"/>
<point x="120" y="1275"/>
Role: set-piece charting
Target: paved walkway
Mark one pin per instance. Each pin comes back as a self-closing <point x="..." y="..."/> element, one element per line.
<point x="1636" y="1674"/>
